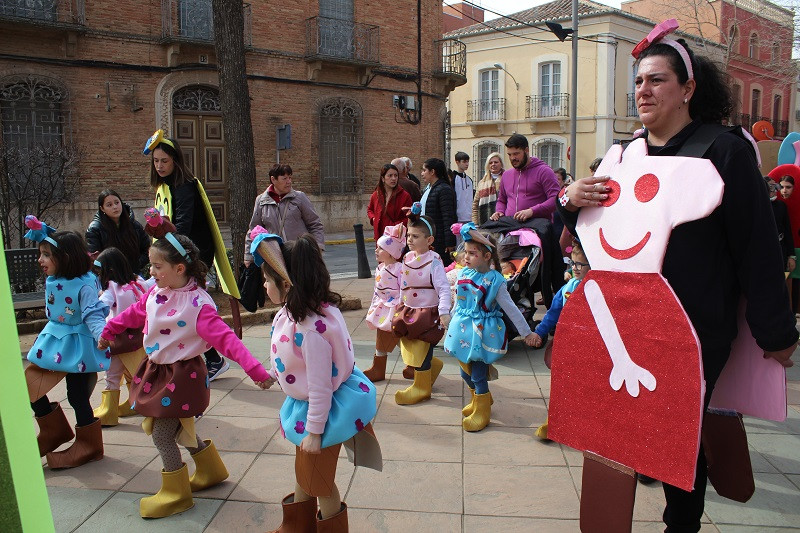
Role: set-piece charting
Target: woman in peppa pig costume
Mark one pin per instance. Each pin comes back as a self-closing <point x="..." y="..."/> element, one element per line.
<point x="678" y="231"/>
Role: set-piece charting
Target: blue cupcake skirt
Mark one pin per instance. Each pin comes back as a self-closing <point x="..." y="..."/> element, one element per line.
<point x="68" y="348"/>
<point x="353" y="406"/>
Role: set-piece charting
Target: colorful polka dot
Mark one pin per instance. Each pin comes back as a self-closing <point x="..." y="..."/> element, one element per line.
<point x="290" y="379"/>
<point x="165" y="401"/>
<point x="181" y="323"/>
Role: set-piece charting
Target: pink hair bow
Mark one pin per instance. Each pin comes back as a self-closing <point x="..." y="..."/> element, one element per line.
<point x="657" y="35"/>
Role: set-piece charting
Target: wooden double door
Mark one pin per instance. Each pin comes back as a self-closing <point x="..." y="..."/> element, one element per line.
<point x="203" y="144"/>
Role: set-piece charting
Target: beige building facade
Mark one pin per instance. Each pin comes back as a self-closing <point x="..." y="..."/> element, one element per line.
<point x="521" y="83"/>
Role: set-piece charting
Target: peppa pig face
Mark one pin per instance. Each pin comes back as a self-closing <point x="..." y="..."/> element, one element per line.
<point x="649" y="196"/>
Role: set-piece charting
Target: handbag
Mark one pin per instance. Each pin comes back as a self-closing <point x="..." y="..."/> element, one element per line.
<point x="251" y="287"/>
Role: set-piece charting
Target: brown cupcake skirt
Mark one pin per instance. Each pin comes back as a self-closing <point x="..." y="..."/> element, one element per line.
<point x="418" y="324"/>
<point x="316" y="472"/>
<point x="176" y="390"/>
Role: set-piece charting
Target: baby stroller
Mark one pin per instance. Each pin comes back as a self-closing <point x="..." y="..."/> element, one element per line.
<point x="533" y="249"/>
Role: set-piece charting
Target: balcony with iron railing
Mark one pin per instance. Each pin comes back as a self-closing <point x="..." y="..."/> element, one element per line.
<point x="55" y="13"/>
<point x="451" y="58"/>
<point x="192" y="21"/>
<point x="342" y="41"/>
<point x="741" y="119"/>
<point x="550" y="106"/>
<point x="486" y="110"/>
<point x="632" y="110"/>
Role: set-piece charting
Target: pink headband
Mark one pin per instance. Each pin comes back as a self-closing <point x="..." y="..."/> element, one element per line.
<point x="657" y="36"/>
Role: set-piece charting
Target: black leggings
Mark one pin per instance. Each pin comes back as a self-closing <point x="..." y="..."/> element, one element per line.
<point x="79" y="389"/>
<point x="684" y="510"/>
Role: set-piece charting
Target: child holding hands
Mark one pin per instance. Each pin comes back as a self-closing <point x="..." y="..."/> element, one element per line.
<point x="424" y="311"/>
<point x="477" y="333"/>
<point x="121" y="289"/>
<point x="329" y="400"/>
<point x="388" y="251"/>
<point x="170" y="387"/>
<point x="66" y="347"/>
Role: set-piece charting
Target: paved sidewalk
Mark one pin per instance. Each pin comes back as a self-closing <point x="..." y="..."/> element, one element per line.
<point x="436" y="477"/>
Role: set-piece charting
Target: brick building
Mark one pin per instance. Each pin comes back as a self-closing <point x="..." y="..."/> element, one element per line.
<point x="753" y="39"/>
<point x="103" y="75"/>
<point x="458" y="15"/>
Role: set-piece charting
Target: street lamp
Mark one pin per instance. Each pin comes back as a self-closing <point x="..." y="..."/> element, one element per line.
<point x="562" y="34"/>
<point x="498" y="65"/>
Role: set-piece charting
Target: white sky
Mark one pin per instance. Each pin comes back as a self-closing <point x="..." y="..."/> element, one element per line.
<point x="506" y="7"/>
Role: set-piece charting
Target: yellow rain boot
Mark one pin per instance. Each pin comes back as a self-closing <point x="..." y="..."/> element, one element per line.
<point x="479" y="418"/>
<point x="125" y="408"/>
<point x="419" y="391"/>
<point x="209" y="468"/>
<point x="175" y="496"/>
<point x="470" y="407"/>
<point x="541" y="431"/>
<point x="108" y="411"/>
<point x="436" y="368"/>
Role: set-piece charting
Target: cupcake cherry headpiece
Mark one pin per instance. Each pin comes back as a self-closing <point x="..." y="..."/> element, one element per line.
<point x="155" y="139"/>
<point x="266" y="246"/>
<point x="159" y="227"/>
<point x="393" y="240"/>
<point x="39" y="231"/>
<point x="469" y="232"/>
<point x="657" y="35"/>
<point x="416" y="213"/>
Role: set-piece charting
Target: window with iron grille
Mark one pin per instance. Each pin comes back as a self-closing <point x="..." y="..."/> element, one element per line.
<point x="336" y="25"/>
<point x="490" y="95"/>
<point x="549" y="151"/>
<point x="480" y="155"/>
<point x="340" y="147"/>
<point x="196" y="19"/>
<point x="30" y="9"/>
<point x="31" y="110"/>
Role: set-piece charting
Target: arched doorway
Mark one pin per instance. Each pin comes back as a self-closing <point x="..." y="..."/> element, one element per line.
<point x="197" y="126"/>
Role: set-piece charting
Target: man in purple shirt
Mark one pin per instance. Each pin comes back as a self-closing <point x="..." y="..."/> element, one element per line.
<point x="527" y="190"/>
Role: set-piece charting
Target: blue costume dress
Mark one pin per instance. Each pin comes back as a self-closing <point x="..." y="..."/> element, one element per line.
<point x="477" y="331"/>
<point x="66" y="344"/>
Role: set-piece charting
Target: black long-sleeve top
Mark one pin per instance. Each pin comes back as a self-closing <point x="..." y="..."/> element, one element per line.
<point x="732" y="253"/>
<point x="441" y="207"/>
<point x="189" y="217"/>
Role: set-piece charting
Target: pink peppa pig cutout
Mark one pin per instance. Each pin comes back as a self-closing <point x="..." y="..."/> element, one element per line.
<point x="627" y="371"/>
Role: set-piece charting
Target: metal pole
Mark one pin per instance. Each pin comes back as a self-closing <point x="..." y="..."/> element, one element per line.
<point x="363" y="265"/>
<point x="573" y="105"/>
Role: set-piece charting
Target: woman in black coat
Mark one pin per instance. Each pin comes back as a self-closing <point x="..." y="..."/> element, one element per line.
<point x="115" y="225"/>
<point x="439" y="203"/>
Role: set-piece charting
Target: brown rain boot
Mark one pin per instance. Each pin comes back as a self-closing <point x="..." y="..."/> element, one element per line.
<point x="88" y="446"/>
<point x="298" y="517"/>
<point x="408" y="372"/>
<point x="377" y="372"/>
<point x="54" y="430"/>
<point x="334" y="524"/>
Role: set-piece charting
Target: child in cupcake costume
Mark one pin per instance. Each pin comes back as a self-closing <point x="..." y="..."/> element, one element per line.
<point x="387" y="296"/>
<point x="424" y="311"/>
<point x="477" y="334"/>
<point x="170" y="387"/>
<point x="121" y="289"/>
<point x="66" y="347"/>
<point x="329" y="401"/>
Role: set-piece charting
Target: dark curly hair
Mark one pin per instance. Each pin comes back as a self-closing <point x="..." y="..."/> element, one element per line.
<point x="311" y="282"/>
<point x="712" y="101"/>
<point x="195" y="268"/>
